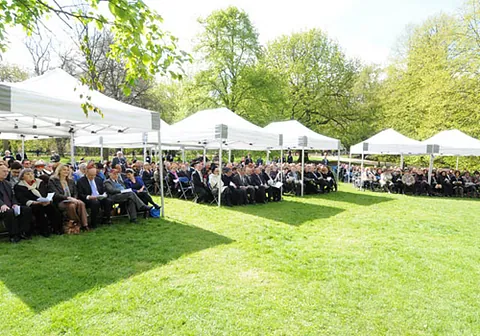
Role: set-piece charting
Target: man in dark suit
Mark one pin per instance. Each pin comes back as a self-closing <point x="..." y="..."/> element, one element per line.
<point x="255" y="181"/>
<point x="239" y="195"/>
<point x="114" y="187"/>
<point x="18" y="226"/>
<point x="199" y="186"/>
<point x="90" y="187"/>
<point x="242" y="182"/>
<point x="119" y="159"/>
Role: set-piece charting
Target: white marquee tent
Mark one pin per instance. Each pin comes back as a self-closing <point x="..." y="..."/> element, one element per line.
<point x="389" y="142"/>
<point x="298" y="136"/>
<point x="220" y="129"/>
<point x="50" y="105"/>
<point x="202" y="128"/>
<point x="454" y="142"/>
<point x="451" y="143"/>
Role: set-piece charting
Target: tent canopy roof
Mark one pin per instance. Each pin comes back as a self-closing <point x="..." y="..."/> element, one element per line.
<point x="389" y="141"/>
<point x="50" y="105"/>
<point x="200" y="129"/>
<point x="455" y="142"/>
<point x="292" y="130"/>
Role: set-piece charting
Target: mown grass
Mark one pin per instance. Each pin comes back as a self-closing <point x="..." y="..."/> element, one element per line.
<point x="346" y="263"/>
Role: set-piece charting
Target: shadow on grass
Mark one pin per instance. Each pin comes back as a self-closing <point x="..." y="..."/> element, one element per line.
<point x="365" y="198"/>
<point x="45" y="272"/>
<point x="289" y="211"/>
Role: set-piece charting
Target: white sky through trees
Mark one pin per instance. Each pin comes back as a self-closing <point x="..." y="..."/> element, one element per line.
<point x="366" y="29"/>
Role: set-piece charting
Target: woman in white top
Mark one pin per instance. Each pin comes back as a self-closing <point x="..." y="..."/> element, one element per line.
<point x="215" y="182"/>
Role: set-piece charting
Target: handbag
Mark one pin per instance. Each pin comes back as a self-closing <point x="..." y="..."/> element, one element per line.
<point x="154" y="213"/>
<point x="71" y="227"/>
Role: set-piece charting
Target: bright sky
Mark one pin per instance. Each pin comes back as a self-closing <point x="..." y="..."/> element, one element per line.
<point x="367" y="29"/>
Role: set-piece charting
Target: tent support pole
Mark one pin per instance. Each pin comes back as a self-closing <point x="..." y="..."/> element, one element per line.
<point x="430" y="169"/>
<point x="101" y="148"/>
<point x="401" y="161"/>
<point x="338" y="164"/>
<point x="268" y="156"/>
<point x="204" y="155"/>
<point x="457" y="163"/>
<point x="220" y="174"/>
<point x="281" y="170"/>
<point x="361" y="172"/>
<point x="23" y="147"/>
<point x="72" y="148"/>
<point x="349" y="165"/>
<point x="144" y="147"/>
<point x="162" y="210"/>
<point x="303" y="167"/>
<point x="183" y="154"/>
<point x="229" y="155"/>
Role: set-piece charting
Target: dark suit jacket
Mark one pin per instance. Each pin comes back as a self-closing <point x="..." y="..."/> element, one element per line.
<point x="55" y="186"/>
<point x="110" y="187"/>
<point x="239" y="182"/>
<point x="6" y="186"/>
<point x="84" y="189"/>
<point x="197" y="181"/>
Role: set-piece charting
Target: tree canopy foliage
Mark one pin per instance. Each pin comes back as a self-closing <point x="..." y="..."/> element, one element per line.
<point x="431" y="84"/>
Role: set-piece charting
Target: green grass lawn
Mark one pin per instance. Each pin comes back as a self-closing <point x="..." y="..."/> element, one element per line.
<point x="347" y="263"/>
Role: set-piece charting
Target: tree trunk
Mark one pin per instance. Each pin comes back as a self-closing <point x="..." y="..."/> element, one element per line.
<point x="6" y="145"/>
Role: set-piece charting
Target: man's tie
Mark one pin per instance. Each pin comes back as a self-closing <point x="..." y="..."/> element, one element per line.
<point x="93" y="185"/>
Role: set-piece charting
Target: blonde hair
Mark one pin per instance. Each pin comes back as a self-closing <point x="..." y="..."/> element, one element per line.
<point x="59" y="169"/>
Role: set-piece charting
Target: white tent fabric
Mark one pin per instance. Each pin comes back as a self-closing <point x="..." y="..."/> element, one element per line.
<point x="389" y="142"/>
<point x="200" y="129"/>
<point x="292" y="130"/>
<point x="50" y="105"/>
<point x="454" y="142"/>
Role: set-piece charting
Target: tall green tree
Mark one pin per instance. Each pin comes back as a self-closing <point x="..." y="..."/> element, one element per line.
<point x="230" y="49"/>
<point x="320" y="81"/>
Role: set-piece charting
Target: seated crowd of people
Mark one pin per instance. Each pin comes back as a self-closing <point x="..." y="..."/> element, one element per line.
<point x="27" y="209"/>
<point x="444" y="182"/>
<point x="246" y="182"/>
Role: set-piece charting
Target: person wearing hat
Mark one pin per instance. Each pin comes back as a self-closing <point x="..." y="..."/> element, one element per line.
<point x="54" y="157"/>
<point x="39" y="166"/>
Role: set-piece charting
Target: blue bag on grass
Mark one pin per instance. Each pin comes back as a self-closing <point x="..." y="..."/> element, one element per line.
<point x="154" y="213"/>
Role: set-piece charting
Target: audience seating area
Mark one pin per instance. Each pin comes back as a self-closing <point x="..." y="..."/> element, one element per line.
<point x="414" y="181"/>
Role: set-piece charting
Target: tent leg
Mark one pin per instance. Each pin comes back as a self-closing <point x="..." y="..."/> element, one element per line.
<point x="338" y="164"/>
<point x="457" y="163"/>
<point x="144" y="147"/>
<point x="23" y="147"/>
<point x="303" y="168"/>
<point x="401" y="161"/>
<point x="101" y="152"/>
<point x="204" y="156"/>
<point x="72" y="148"/>
<point x="268" y="156"/>
<point x="361" y="172"/>
<point x="430" y="169"/>
<point x="281" y="171"/>
<point x="220" y="174"/>
<point x="349" y="166"/>
<point x="162" y="210"/>
<point x="183" y="154"/>
<point x="229" y="155"/>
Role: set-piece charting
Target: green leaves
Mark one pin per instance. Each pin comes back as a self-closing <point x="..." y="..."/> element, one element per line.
<point x="138" y="42"/>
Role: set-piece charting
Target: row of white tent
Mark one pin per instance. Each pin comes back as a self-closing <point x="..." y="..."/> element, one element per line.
<point x="444" y="143"/>
<point x="50" y="106"/>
